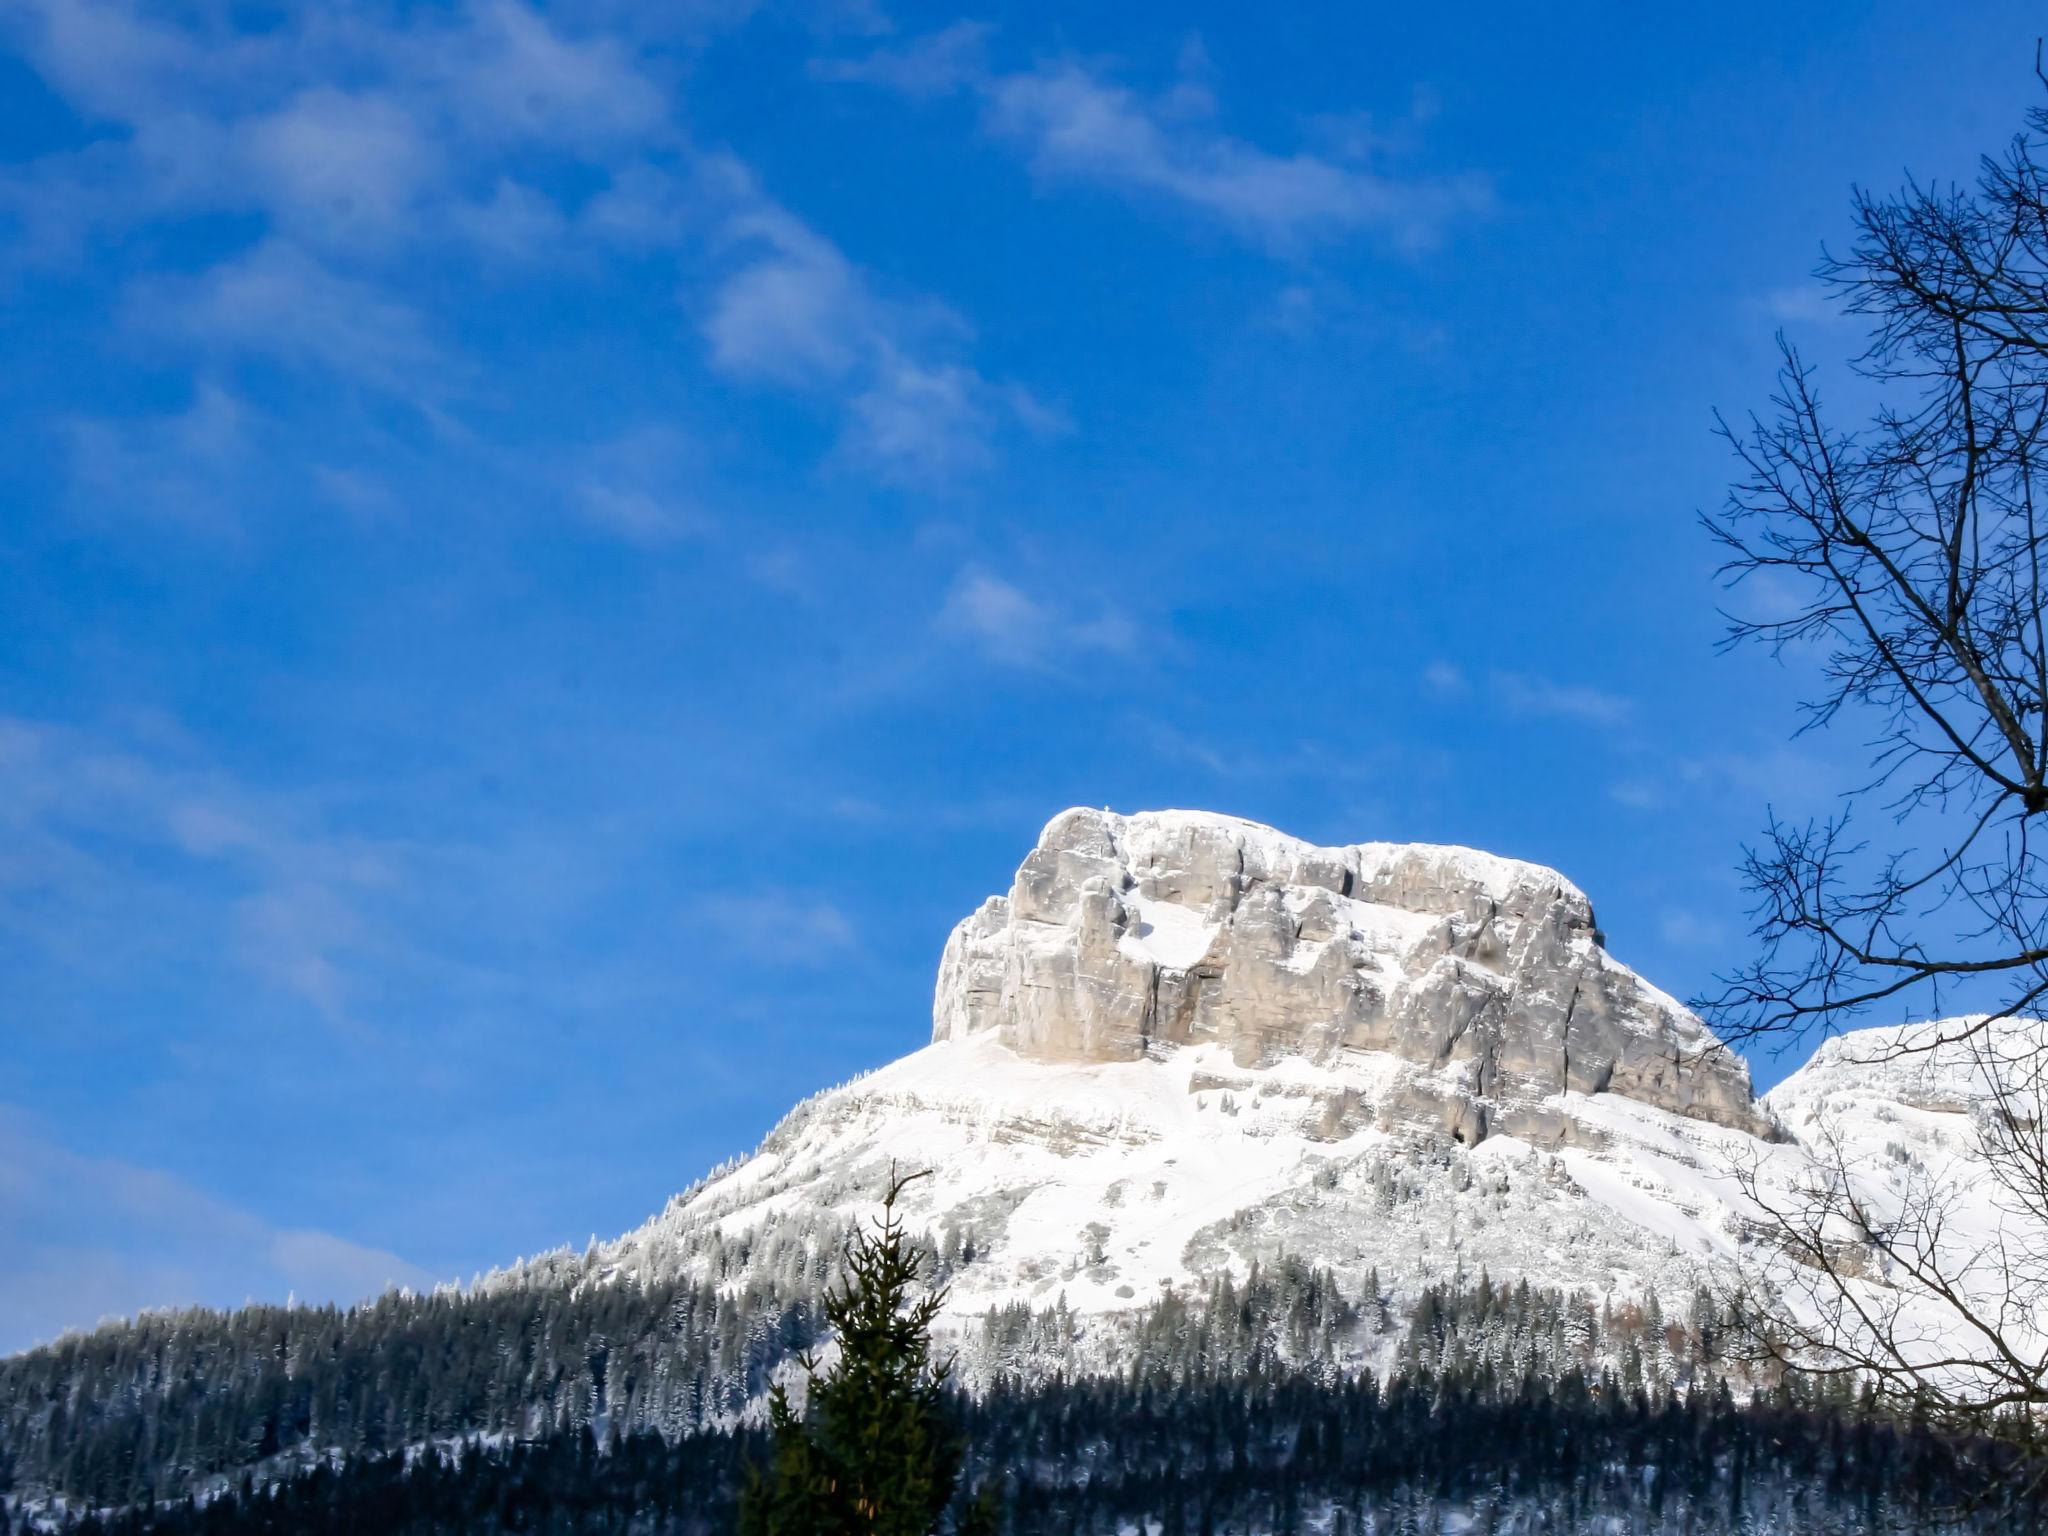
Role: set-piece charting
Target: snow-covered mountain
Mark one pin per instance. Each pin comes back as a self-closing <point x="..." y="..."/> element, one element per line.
<point x="1182" y="1043"/>
<point x="1180" y="1049"/>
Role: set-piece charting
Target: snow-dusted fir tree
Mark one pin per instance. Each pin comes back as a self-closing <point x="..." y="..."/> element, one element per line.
<point x="874" y="1451"/>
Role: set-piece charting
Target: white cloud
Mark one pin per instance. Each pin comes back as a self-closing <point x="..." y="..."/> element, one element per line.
<point x="794" y="311"/>
<point x="783" y="928"/>
<point x="1802" y="304"/>
<point x="181" y="465"/>
<point x="340" y="167"/>
<point x="934" y="417"/>
<point x="642" y="207"/>
<point x="514" y="223"/>
<point x="1444" y="679"/>
<point x="642" y="486"/>
<point x="357" y="494"/>
<point x="115" y="847"/>
<point x="507" y="73"/>
<point x="1682" y="927"/>
<point x="342" y="131"/>
<point x="1637" y="794"/>
<point x="95" y="1237"/>
<point x="292" y="934"/>
<point x="362" y="145"/>
<point x="936" y="64"/>
<point x="1540" y="698"/>
<point x="1745" y="783"/>
<point x="355" y="140"/>
<point x="1010" y="626"/>
<point x="855" y="808"/>
<point x="278" y="299"/>
<point x="111" y="58"/>
<point x="1074" y="122"/>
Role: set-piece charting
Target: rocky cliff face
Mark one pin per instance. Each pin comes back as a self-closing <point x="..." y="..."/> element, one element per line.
<point x="1123" y="935"/>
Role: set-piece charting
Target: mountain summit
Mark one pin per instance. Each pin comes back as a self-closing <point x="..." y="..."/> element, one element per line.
<point x="1485" y="978"/>
<point x="1183" y="1044"/>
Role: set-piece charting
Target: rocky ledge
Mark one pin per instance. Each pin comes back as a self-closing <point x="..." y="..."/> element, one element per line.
<point x="1123" y="936"/>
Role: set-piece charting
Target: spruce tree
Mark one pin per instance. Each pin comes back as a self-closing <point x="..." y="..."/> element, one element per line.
<point x="874" y="1452"/>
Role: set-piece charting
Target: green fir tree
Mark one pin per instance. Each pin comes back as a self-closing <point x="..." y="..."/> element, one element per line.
<point x="875" y="1452"/>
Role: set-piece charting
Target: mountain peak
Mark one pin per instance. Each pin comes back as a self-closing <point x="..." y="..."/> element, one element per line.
<point x="1125" y="936"/>
<point x="1183" y="1044"/>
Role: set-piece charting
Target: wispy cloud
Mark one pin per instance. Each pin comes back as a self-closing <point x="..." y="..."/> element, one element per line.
<point x="277" y="300"/>
<point x="1073" y="121"/>
<point x="1751" y="780"/>
<point x="936" y="64"/>
<point x="793" y="310"/>
<point x="643" y="486"/>
<point x="1638" y="794"/>
<point x="1445" y="679"/>
<point x="1237" y="761"/>
<point x="182" y="464"/>
<point x="1802" y="304"/>
<point x="347" y="134"/>
<point x="339" y="167"/>
<point x="781" y="927"/>
<point x="109" y="845"/>
<point x="510" y="74"/>
<point x="1010" y="626"/>
<point x="179" y="1244"/>
<point x="492" y="140"/>
<point x="1528" y="696"/>
<point x="1687" y="929"/>
<point x="1543" y="699"/>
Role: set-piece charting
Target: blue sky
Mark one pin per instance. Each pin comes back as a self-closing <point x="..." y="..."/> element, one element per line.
<point x="546" y="556"/>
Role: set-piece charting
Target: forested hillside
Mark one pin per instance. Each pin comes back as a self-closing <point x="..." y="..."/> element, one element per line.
<point x="177" y="1402"/>
<point x="619" y="1407"/>
<point x="1473" y="1450"/>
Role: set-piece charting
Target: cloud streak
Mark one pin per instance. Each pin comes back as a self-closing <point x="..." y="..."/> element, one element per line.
<point x="1073" y="121"/>
<point x="496" y="139"/>
<point x="348" y="136"/>
<point x="179" y="1244"/>
<point x="1541" y="698"/>
<point x="109" y="848"/>
<point x="1013" y="628"/>
<point x="278" y="301"/>
<point x="786" y="929"/>
<point x="792" y="310"/>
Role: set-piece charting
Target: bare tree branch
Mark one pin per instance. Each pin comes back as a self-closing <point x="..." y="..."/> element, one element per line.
<point x="1902" y="560"/>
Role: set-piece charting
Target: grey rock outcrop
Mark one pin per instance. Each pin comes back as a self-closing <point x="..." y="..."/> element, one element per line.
<point x="1484" y="977"/>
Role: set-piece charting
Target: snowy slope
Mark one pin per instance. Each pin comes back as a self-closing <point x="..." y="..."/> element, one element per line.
<point x="1915" y="1119"/>
<point x="1101" y="1184"/>
<point x="1104" y="1184"/>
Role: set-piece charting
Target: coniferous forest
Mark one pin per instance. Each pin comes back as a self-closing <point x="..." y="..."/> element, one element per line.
<point x="1279" y="1456"/>
<point x="618" y="1408"/>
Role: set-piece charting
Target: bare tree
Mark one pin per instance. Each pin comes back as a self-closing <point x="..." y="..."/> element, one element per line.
<point x="1903" y="558"/>
<point x="1884" y="1274"/>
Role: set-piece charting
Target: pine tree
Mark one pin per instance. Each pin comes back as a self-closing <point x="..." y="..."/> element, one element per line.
<point x="874" y="1452"/>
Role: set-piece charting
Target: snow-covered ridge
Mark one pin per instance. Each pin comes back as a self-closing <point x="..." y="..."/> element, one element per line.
<point x="1184" y="1041"/>
<point x="1940" y="1064"/>
<point x="1270" y="854"/>
<point x="1184" y="1044"/>
<point x="1101" y="1187"/>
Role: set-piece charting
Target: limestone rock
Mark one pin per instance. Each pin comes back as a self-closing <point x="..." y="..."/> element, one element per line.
<point x="1124" y="936"/>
